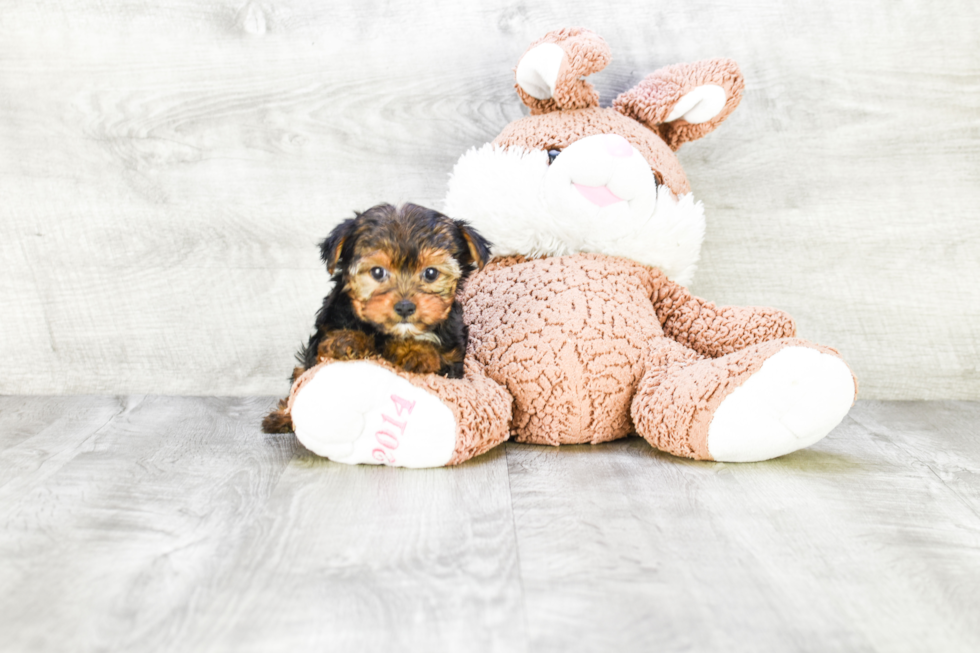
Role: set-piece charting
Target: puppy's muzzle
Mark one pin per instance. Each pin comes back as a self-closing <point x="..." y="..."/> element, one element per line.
<point x="405" y="308"/>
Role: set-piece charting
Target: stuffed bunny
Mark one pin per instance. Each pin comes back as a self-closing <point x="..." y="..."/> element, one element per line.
<point x="580" y="328"/>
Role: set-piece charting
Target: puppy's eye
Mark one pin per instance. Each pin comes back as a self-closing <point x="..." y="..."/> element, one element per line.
<point x="552" y="155"/>
<point x="378" y="273"/>
<point x="430" y="274"/>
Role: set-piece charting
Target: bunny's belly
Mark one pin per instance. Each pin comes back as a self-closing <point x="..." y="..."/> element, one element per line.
<point x="566" y="336"/>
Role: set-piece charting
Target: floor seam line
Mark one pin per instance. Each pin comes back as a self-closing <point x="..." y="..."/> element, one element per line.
<point x="517" y="550"/>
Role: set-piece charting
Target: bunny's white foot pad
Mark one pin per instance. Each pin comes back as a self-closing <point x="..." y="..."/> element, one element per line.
<point x="359" y="412"/>
<point x="796" y="398"/>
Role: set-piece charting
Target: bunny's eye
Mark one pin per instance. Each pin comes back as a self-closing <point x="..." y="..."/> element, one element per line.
<point x="552" y="155"/>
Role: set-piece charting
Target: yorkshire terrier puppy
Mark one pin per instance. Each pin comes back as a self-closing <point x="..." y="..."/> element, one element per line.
<point x="395" y="274"/>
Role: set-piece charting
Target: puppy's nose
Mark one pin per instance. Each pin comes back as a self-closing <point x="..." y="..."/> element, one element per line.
<point x="404" y="308"/>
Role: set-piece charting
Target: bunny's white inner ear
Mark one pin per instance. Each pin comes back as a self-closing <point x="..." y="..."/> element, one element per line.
<point x="537" y="72"/>
<point x="700" y="105"/>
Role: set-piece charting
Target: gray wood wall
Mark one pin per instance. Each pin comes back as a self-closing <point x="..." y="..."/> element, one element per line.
<point x="167" y="168"/>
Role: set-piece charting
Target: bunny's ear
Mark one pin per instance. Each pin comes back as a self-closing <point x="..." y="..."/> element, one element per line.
<point x="550" y="74"/>
<point x="684" y="102"/>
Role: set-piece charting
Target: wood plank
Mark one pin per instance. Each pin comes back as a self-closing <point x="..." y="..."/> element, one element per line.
<point x="110" y="548"/>
<point x="167" y="171"/>
<point x="38" y="435"/>
<point x="373" y="559"/>
<point x="171" y="524"/>
<point x="941" y="437"/>
<point x="850" y="545"/>
<point x="179" y="527"/>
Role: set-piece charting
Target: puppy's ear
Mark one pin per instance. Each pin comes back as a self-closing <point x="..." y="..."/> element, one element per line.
<point x="477" y="246"/>
<point x="332" y="246"/>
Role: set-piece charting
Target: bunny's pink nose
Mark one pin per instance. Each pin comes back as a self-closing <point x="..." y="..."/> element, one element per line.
<point x="616" y="145"/>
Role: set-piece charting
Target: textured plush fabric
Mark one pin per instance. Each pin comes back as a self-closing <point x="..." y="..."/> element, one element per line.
<point x="715" y="331"/>
<point x="565" y="336"/>
<point x="481" y="408"/>
<point x="574" y="338"/>
<point x="582" y="348"/>
<point x="652" y="100"/>
<point x="585" y="53"/>
<point x="559" y="129"/>
<point x="681" y="390"/>
<point x="502" y="192"/>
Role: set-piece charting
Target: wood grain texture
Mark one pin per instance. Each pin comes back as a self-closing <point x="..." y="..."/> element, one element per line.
<point x="113" y="534"/>
<point x="372" y="559"/>
<point x="165" y="524"/>
<point x="172" y="524"/>
<point x="869" y="541"/>
<point x="165" y="171"/>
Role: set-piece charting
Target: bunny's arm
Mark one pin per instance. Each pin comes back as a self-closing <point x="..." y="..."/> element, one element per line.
<point x="712" y="330"/>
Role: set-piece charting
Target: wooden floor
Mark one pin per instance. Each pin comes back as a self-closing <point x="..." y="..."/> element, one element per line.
<point x="157" y="523"/>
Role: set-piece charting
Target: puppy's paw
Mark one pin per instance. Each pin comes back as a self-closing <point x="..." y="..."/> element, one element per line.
<point x="345" y="345"/>
<point x="415" y="356"/>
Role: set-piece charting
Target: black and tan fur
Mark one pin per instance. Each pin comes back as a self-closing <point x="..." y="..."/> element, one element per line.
<point x="423" y="257"/>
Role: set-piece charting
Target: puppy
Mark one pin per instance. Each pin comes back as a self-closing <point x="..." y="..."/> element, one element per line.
<point x="395" y="274"/>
